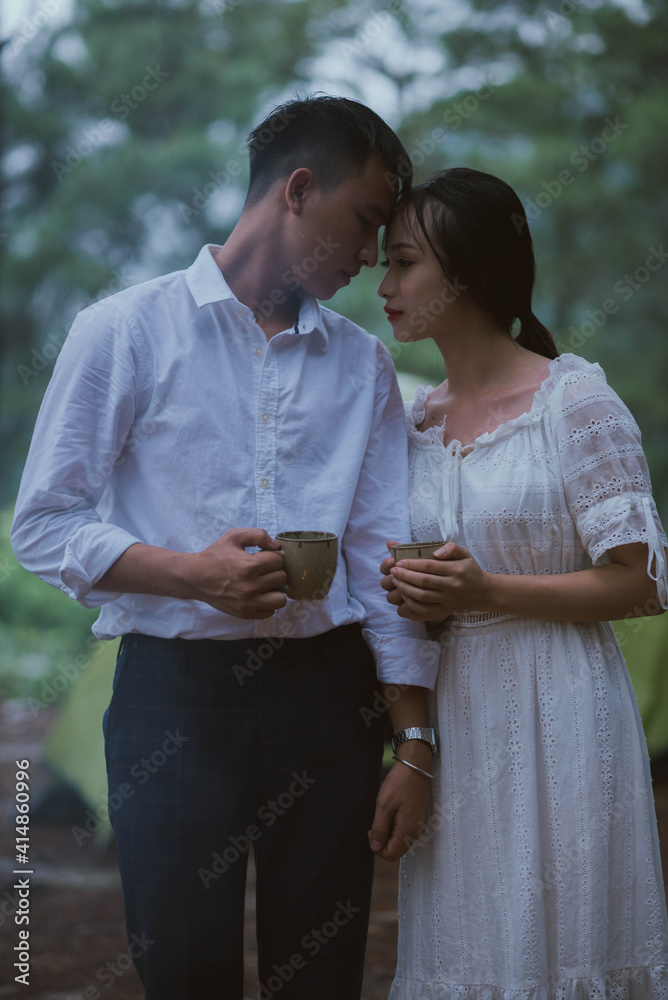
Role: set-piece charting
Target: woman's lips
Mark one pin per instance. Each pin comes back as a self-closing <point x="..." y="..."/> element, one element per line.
<point x="393" y="314"/>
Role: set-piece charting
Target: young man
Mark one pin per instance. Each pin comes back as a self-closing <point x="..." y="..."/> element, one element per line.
<point x="189" y="419"/>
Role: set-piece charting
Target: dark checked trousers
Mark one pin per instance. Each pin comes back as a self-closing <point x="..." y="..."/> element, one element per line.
<point x="210" y="756"/>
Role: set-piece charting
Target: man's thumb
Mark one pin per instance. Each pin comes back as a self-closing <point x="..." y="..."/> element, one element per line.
<point x="247" y="537"/>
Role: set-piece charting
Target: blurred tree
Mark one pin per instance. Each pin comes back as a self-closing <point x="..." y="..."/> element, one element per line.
<point x="566" y="102"/>
<point x="123" y="153"/>
<point x="122" y="145"/>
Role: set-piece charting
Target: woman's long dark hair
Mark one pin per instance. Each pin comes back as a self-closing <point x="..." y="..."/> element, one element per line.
<point x="477" y="227"/>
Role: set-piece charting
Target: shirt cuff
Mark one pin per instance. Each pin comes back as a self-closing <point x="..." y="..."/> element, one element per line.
<point x="402" y="660"/>
<point x="88" y="556"/>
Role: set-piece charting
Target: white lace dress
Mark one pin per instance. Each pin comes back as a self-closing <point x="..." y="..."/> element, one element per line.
<point x="538" y="877"/>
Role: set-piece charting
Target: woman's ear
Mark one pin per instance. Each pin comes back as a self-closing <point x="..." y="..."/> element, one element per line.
<point x="300" y="185"/>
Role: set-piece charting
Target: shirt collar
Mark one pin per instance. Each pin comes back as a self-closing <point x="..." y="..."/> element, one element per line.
<point x="207" y="285"/>
<point x="205" y="279"/>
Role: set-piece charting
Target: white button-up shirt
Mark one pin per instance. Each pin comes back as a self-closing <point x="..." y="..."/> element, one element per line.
<point x="170" y="419"/>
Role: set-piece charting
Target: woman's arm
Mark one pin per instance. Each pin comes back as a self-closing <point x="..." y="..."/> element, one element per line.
<point x="456" y="583"/>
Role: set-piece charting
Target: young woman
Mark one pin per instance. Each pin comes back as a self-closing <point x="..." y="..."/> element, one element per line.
<point x="538" y="875"/>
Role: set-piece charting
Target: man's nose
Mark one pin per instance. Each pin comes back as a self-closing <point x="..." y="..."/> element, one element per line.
<point x="369" y="254"/>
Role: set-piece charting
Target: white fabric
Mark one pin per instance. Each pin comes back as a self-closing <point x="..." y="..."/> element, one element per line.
<point x="539" y="876"/>
<point x="170" y="419"/>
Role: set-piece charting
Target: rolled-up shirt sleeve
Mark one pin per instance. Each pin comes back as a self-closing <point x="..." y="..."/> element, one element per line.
<point x="85" y="418"/>
<point x="380" y="512"/>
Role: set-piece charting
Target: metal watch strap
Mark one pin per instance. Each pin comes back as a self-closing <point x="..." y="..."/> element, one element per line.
<point x="415" y="733"/>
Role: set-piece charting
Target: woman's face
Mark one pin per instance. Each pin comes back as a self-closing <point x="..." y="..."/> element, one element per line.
<point x="420" y="301"/>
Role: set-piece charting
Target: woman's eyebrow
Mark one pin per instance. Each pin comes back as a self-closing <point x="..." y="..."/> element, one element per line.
<point x="401" y="246"/>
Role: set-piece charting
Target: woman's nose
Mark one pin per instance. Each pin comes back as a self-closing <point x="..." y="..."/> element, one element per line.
<point x="384" y="287"/>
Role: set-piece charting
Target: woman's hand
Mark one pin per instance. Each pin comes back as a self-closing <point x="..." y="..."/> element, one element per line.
<point x="429" y="590"/>
<point x="387" y="582"/>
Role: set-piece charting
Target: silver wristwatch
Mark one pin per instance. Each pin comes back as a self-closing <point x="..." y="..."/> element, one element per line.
<point x="415" y="733"/>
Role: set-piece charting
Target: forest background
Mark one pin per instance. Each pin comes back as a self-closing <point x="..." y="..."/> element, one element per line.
<point x="123" y="152"/>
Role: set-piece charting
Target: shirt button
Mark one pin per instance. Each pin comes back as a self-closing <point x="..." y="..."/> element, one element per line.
<point x="258" y="352"/>
<point x="264" y="483"/>
<point x="265" y="418"/>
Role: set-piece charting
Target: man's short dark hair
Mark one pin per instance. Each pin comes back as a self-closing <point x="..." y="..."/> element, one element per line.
<point x="332" y="136"/>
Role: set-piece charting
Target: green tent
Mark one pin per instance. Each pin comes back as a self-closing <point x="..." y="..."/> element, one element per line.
<point x="74" y="750"/>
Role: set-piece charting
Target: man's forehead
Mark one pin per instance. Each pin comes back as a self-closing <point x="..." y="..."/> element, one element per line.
<point x="381" y="212"/>
<point x="378" y="196"/>
<point x="371" y="190"/>
<point x="382" y="196"/>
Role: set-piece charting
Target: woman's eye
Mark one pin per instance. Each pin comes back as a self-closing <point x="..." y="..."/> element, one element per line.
<point x="400" y="261"/>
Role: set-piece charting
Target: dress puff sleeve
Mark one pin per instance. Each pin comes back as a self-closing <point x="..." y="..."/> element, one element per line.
<point x="605" y="475"/>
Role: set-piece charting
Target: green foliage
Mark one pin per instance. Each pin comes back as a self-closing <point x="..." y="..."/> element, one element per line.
<point x="123" y="152"/>
<point x="124" y="141"/>
<point x="41" y="630"/>
<point x="565" y="103"/>
<point x="109" y="180"/>
<point x="643" y="642"/>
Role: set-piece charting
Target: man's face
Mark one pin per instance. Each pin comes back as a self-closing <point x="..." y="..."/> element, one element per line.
<point x="338" y="230"/>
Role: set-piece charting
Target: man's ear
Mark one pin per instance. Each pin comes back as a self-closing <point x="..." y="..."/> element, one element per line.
<point x="301" y="184"/>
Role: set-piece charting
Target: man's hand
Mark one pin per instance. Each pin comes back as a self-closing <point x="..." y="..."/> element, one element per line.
<point x="223" y="575"/>
<point x="401" y="808"/>
<point x="230" y="579"/>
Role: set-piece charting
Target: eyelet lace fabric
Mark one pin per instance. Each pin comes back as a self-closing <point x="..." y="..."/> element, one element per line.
<point x="538" y="876"/>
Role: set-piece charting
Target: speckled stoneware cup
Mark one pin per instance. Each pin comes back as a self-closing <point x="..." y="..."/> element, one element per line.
<point x="415" y="550"/>
<point x="309" y="559"/>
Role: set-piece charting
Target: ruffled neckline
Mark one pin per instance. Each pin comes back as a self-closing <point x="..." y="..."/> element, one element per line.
<point x="565" y="364"/>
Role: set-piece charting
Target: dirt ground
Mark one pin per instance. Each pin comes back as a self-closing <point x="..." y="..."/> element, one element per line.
<point x="76" y="910"/>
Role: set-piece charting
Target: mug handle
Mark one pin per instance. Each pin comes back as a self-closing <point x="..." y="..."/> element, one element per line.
<point x="285" y="589"/>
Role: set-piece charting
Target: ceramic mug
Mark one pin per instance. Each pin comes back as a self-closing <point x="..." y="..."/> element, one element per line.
<point x="309" y="559"/>
<point x="415" y="550"/>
